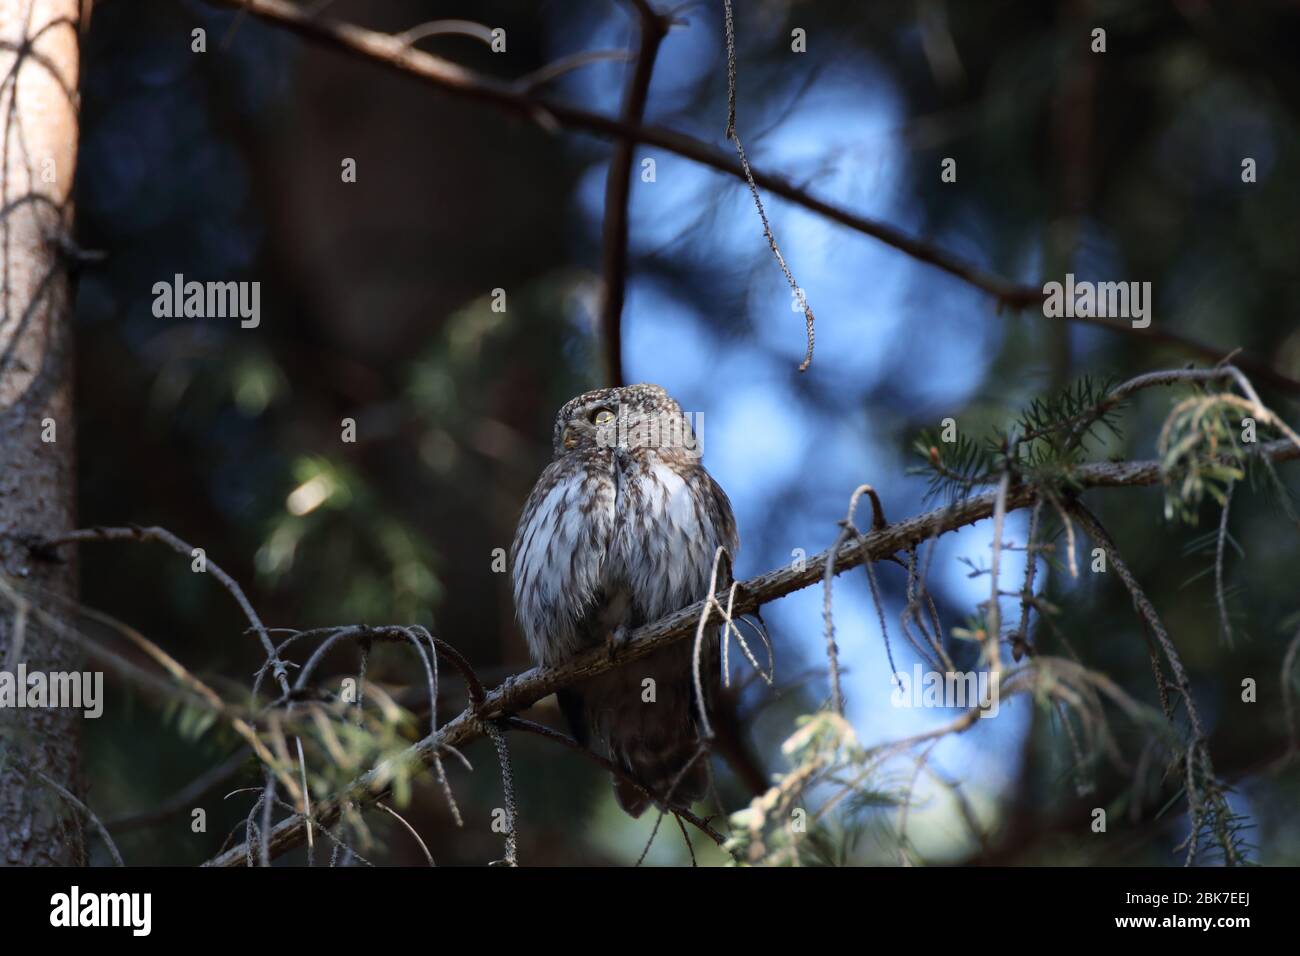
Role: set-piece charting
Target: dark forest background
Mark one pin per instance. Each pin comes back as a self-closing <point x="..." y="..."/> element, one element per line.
<point x="376" y="305"/>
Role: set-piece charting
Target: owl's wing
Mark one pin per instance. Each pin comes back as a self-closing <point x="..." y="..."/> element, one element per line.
<point x="711" y="525"/>
<point x="557" y="555"/>
<point x="729" y="737"/>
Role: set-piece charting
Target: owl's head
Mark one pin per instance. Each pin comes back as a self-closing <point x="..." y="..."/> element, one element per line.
<point x="638" y="418"/>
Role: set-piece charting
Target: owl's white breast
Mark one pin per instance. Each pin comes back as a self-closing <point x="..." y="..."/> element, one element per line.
<point x="559" y="554"/>
<point x="665" y="538"/>
<point x="619" y="530"/>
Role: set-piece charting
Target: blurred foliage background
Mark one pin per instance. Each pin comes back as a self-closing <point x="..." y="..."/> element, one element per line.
<point x="376" y="306"/>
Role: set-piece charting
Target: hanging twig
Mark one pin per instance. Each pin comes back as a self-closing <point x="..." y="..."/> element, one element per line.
<point x="753" y="188"/>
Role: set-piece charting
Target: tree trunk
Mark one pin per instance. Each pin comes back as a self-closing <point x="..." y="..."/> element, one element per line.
<point x="38" y="149"/>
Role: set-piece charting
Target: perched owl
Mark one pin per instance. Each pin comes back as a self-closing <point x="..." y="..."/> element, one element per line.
<point x="621" y="529"/>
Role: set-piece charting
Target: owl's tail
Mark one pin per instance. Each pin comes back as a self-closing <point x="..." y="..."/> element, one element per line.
<point x="673" y="772"/>
<point x="641" y="716"/>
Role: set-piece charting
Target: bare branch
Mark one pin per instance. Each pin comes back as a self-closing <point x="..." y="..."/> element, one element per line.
<point x="848" y="529"/>
<point x="993" y="619"/>
<point x="508" y="790"/>
<point x="409" y="829"/>
<point x="567" y="64"/>
<point x="163" y="536"/>
<point x="618" y="193"/>
<point x="434" y="28"/>
<point x="386" y="50"/>
<point x="89" y="814"/>
<point x="1220" y="596"/>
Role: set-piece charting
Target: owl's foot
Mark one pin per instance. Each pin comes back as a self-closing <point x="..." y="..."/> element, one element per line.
<point x="616" y="640"/>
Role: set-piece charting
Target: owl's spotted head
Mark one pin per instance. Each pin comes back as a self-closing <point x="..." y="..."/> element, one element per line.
<point x="635" y="417"/>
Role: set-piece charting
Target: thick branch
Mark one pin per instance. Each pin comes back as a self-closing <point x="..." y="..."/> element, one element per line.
<point x="518" y="693"/>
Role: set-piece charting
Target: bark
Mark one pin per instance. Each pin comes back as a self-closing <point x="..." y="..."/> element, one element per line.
<point x="38" y="148"/>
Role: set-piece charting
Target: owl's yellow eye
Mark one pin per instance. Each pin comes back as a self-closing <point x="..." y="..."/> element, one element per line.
<point x="602" y="416"/>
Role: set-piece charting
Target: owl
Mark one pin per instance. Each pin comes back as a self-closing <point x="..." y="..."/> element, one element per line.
<point x="621" y="529"/>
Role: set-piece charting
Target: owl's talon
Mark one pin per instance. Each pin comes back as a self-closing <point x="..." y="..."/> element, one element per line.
<point x="616" y="640"/>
